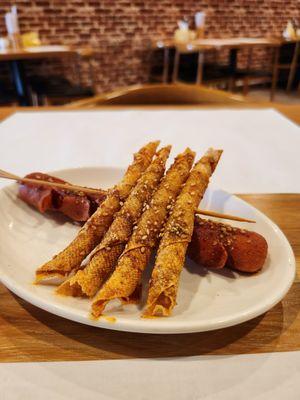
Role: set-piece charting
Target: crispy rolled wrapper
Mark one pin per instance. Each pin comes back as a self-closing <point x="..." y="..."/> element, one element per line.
<point x="216" y="245"/>
<point x="94" y="229"/>
<point x="125" y="280"/>
<point x="87" y="281"/>
<point x="176" y="237"/>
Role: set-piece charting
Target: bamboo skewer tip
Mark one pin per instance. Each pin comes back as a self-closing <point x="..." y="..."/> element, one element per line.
<point x="215" y="214"/>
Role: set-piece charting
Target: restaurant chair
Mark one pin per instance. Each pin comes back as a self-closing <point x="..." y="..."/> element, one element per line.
<point x="184" y="63"/>
<point x="56" y="89"/>
<point x="188" y="50"/>
<point x="197" y="70"/>
<point x="158" y="94"/>
<point x="161" y="61"/>
<point x="286" y="62"/>
<point x="247" y="77"/>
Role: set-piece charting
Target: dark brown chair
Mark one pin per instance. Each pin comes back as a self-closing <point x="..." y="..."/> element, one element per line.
<point x="287" y="58"/>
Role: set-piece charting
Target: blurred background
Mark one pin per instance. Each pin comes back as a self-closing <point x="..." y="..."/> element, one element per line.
<point x="55" y="52"/>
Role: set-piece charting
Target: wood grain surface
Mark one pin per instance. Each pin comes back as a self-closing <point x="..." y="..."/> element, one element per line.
<point x="30" y="334"/>
<point x="49" y="52"/>
<point x="217" y="43"/>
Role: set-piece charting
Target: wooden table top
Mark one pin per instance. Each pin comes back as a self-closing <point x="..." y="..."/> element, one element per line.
<point x="30" y="334"/>
<point x="43" y="52"/>
<point x="218" y="43"/>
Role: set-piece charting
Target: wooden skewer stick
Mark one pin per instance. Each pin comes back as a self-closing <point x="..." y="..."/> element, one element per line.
<point x="65" y="186"/>
<point x="224" y="216"/>
<point x="76" y="188"/>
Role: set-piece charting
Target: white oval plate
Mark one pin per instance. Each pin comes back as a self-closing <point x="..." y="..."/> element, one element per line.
<point x="206" y="300"/>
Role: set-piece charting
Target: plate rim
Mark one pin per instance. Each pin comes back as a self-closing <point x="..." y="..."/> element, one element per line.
<point x="152" y="328"/>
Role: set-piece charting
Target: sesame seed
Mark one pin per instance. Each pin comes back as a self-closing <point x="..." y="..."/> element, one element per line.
<point x="143" y="249"/>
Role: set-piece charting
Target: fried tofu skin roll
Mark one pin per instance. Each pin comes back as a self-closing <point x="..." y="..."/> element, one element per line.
<point x="87" y="281"/>
<point x="176" y="237"/>
<point x="94" y="229"/>
<point x="124" y="283"/>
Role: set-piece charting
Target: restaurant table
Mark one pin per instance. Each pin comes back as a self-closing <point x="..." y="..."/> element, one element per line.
<point x="216" y="44"/>
<point x="29" y="334"/>
<point x="16" y="58"/>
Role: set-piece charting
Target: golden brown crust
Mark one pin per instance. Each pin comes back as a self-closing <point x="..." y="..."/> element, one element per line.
<point x="176" y="237"/>
<point x="216" y="244"/>
<point x="125" y="280"/>
<point x="94" y="229"/>
<point x="87" y="281"/>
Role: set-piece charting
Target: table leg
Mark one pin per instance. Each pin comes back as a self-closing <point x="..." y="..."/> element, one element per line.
<point x="275" y="73"/>
<point x="176" y="66"/>
<point x="20" y="81"/>
<point x="232" y="60"/>
<point x="78" y="71"/>
<point x="166" y="64"/>
<point x="200" y="68"/>
<point x="293" y="67"/>
<point x="246" y="78"/>
<point x="92" y="75"/>
<point x="232" y="67"/>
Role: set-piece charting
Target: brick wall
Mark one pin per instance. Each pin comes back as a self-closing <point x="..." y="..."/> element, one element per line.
<point x="119" y="30"/>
